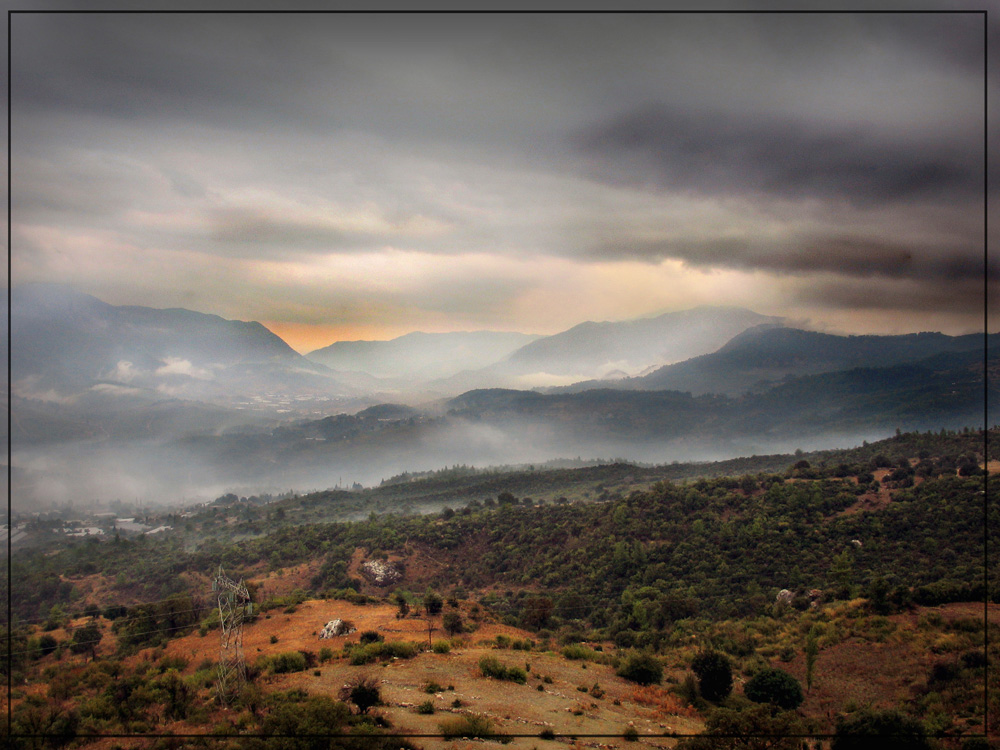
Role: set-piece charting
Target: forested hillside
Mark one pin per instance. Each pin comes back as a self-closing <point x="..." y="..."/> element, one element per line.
<point x="871" y="558"/>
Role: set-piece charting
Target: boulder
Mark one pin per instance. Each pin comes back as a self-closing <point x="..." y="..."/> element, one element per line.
<point x="380" y="573"/>
<point x="336" y="627"/>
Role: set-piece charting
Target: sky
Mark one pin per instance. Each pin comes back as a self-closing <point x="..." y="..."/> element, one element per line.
<point x="356" y="176"/>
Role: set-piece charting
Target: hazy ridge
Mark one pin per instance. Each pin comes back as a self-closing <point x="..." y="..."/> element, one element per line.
<point x="125" y="401"/>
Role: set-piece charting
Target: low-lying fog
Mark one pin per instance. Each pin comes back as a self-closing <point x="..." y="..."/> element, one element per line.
<point x="173" y="470"/>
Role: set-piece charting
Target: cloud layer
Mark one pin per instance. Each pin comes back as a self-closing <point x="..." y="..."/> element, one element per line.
<point x="362" y="176"/>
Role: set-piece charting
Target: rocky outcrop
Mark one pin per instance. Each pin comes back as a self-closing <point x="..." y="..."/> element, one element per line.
<point x="336" y="627"/>
<point x="380" y="573"/>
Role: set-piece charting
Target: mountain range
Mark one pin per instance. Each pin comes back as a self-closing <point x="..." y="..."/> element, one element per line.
<point x="762" y="357"/>
<point x="120" y="401"/>
<point x="67" y="342"/>
<point x="64" y="342"/>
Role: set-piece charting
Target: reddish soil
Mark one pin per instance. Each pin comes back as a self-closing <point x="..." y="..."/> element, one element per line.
<point x="514" y="708"/>
<point x="879" y="674"/>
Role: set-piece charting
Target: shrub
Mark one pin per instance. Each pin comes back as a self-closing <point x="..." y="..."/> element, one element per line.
<point x="441" y="647"/>
<point x="315" y="715"/>
<point x="382" y="650"/>
<point x="642" y="669"/>
<point x="492" y="667"/>
<point x="370" y="636"/>
<point x="427" y="707"/>
<point x="363" y="692"/>
<point x="274" y="639"/>
<point x="774" y="686"/>
<point x="433" y="604"/>
<point x="325" y="654"/>
<point x="85" y="639"/>
<point x="172" y="662"/>
<point x="471" y="726"/>
<point x="715" y="675"/>
<point x="630" y="735"/>
<point x="46" y="644"/>
<point x="576" y="651"/>
<point x="289" y="661"/>
<point x="432" y="687"/>
<point x="452" y="623"/>
<point x="888" y="730"/>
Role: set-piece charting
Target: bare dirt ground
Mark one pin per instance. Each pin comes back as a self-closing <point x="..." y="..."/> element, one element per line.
<point x="515" y="709"/>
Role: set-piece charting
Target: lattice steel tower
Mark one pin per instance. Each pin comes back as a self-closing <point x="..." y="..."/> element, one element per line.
<point x="234" y="607"/>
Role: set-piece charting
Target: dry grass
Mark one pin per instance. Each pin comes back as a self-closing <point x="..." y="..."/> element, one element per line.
<point x="662" y="700"/>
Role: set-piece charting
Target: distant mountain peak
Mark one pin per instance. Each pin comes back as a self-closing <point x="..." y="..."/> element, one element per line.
<point x="591" y="348"/>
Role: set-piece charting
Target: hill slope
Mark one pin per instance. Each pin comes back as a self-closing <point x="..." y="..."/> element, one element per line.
<point x="421" y="355"/>
<point x="65" y="341"/>
<point x="764" y="356"/>
<point x="595" y="348"/>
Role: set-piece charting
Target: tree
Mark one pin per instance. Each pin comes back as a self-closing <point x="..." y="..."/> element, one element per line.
<point x="774" y="686"/>
<point x="842" y="572"/>
<point x="812" y="650"/>
<point x="50" y="725"/>
<point x="715" y="675"/>
<point x="877" y="593"/>
<point x="643" y="669"/>
<point x="47" y="644"/>
<point x="755" y="728"/>
<point x="432" y="603"/>
<point x="452" y="623"/>
<point x="86" y="639"/>
<point x="881" y="730"/>
<point x="537" y="611"/>
<point x="363" y="692"/>
<point x="175" y="694"/>
<point x="303" y="725"/>
<point x="404" y="607"/>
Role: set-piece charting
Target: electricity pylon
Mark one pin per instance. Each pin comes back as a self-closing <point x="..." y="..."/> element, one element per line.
<point x="234" y="607"/>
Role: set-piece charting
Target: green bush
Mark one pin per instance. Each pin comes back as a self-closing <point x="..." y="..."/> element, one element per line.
<point x="715" y="675"/>
<point x="886" y="730"/>
<point x="577" y="651"/>
<point x="427" y="707"/>
<point x="493" y="667"/>
<point x="288" y="661"/>
<point x="441" y="647"/>
<point x="774" y="686"/>
<point x="383" y="650"/>
<point x="472" y="726"/>
<point x="642" y="669"/>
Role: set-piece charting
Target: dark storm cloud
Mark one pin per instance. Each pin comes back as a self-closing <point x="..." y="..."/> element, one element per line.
<point x="849" y="255"/>
<point x="794" y="145"/>
<point x="675" y="149"/>
<point x="163" y="66"/>
<point x="957" y="298"/>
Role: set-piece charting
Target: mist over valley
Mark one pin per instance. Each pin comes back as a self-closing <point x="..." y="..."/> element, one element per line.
<point x="152" y="406"/>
